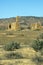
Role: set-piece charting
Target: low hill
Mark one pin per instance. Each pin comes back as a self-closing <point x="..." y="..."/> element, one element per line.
<point x="24" y="20"/>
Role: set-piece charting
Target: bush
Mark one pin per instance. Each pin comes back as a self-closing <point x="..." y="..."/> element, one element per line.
<point x="41" y="36"/>
<point x="37" y="30"/>
<point x="10" y="55"/>
<point x="38" y="59"/>
<point x="18" y="56"/>
<point x="37" y="45"/>
<point x="41" y="51"/>
<point x="11" y="46"/>
<point x="10" y="33"/>
<point x="13" y="56"/>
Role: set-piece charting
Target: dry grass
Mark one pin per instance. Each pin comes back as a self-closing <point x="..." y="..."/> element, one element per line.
<point x="18" y="62"/>
<point x="25" y="38"/>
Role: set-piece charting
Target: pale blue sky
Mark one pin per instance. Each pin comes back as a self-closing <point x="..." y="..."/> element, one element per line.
<point x="12" y="8"/>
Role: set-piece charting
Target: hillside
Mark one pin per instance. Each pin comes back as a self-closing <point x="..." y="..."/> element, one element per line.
<point x="25" y="19"/>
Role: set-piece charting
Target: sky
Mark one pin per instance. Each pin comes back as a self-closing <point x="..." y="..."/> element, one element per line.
<point x="13" y="8"/>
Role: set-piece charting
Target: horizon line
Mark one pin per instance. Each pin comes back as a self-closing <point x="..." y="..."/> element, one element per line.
<point x="19" y="16"/>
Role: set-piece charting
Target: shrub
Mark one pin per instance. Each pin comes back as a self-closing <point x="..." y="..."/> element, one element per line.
<point x="41" y="36"/>
<point x="18" y="56"/>
<point x="13" y="56"/>
<point x="11" y="46"/>
<point x="9" y="55"/>
<point x="10" y="33"/>
<point x="38" y="60"/>
<point x="16" y="45"/>
<point x="37" y="29"/>
<point x="41" y="51"/>
<point x="37" y="45"/>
